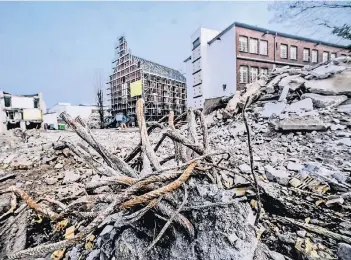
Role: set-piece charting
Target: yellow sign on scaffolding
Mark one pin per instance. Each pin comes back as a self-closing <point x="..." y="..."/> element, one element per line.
<point x="136" y="88"/>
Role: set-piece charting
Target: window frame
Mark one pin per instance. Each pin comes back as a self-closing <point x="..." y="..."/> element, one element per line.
<point x="308" y="56"/>
<point x="257" y="42"/>
<point x="9" y="101"/>
<point x="296" y="52"/>
<point x="250" y="76"/>
<point x="266" y="69"/>
<point x="328" y="56"/>
<point x="247" y="74"/>
<point x="196" y="43"/>
<point x="247" y="43"/>
<point x="314" y="51"/>
<point x="259" y="49"/>
<point x="280" y="50"/>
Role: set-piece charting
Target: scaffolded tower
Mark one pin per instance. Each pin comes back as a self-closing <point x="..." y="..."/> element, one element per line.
<point x="162" y="88"/>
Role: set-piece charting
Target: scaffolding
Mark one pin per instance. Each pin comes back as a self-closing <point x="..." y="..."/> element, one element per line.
<point x="163" y="89"/>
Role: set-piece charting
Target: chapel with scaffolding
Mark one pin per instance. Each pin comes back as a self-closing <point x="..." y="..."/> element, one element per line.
<point x="162" y="88"/>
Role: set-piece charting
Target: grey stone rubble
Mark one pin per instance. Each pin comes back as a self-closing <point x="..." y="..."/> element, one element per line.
<point x="301" y="153"/>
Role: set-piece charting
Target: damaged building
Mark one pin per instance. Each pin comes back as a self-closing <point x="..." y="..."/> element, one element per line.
<point x="21" y="111"/>
<point x="223" y="62"/>
<point x="162" y="88"/>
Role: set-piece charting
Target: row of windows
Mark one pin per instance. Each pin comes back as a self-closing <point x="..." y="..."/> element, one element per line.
<point x="256" y="46"/>
<point x="244" y="75"/>
<point x="307" y="55"/>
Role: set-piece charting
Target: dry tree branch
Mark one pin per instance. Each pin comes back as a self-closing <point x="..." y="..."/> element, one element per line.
<point x="163" y="230"/>
<point x="145" y="142"/>
<point x="251" y="163"/>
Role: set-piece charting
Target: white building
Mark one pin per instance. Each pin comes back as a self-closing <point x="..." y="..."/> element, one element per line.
<point x="210" y="69"/>
<point x="85" y="112"/>
<point x="24" y="111"/>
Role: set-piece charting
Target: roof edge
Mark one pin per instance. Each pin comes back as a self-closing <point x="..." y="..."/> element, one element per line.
<point x="268" y="31"/>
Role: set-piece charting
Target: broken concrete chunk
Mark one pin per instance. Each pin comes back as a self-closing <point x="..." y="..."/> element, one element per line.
<point x="293" y="82"/>
<point x="345" y="108"/>
<point x="244" y="168"/>
<point x="295" y="182"/>
<point x="280" y="176"/>
<point x="344" y="251"/>
<point x="300" y="106"/>
<point x="337" y="127"/>
<point x="337" y="85"/>
<point x="335" y="201"/>
<point x="294" y="166"/>
<point x="320" y="101"/>
<point x="344" y="141"/>
<point x="324" y="71"/>
<point x="301" y="124"/>
<point x="70" y="177"/>
<point x="51" y="180"/>
<point x="301" y="233"/>
<point x="284" y="93"/>
<point x="271" y="109"/>
<point x="58" y="166"/>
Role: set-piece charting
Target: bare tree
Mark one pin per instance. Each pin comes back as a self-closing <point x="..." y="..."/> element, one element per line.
<point x="320" y="16"/>
<point x="100" y="104"/>
<point x="99" y="96"/>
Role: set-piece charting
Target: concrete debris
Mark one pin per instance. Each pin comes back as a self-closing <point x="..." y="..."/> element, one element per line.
<point x="300" y="106"/>
<point x="301" y="124"/>
<point x="273" y="109"/>
<point x="321" y="101"/>
<point x="280" y="176"/>
<point x="301" y="158"/>
<point x="344" y="251"/>
<point x="294" y="166"/>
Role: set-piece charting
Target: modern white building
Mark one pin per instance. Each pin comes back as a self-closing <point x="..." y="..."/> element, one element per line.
<point x="21" y="111"/>
<point x="210" y="69"/>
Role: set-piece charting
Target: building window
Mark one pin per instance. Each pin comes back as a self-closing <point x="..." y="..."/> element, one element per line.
<point x="314" y="56"/>
<point x="36" y="103"/>
<point x="243" y="43"/>
<point x="263" y="47"/>
<point x="332" y="56"/>
<point x="293" y="52"/>
<point x="196" y="43"/>
<point x="243" y="77"/>
<point x="264" y="71"/>
<point x="7" y="101"/>
<point x="254" y="46"/>
<point x="224" y="87"/>
<point x="283" y="51"/>
<point x="306" y="54"/>
<point x="253" y="74"/>
<point x="325" y="56"/>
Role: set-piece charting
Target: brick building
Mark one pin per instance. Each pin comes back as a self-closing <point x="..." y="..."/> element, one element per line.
<point x="222" y="62"/>
<point x="162" y="88"/>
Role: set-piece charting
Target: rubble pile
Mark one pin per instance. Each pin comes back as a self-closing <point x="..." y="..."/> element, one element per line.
<point x="267" y="177"/>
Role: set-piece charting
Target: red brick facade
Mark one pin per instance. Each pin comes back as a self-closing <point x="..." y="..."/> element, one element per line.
<point x="273" y="58"/>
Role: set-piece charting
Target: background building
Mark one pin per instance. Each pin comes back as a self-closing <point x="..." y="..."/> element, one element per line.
<point x="162" y="88"/>
<point x="21" y="111"/>
<point x="222" y="62"/>
<point x="89" y="113"/>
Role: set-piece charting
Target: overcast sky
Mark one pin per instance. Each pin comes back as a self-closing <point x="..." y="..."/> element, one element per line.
<point x="60" y="48"/>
